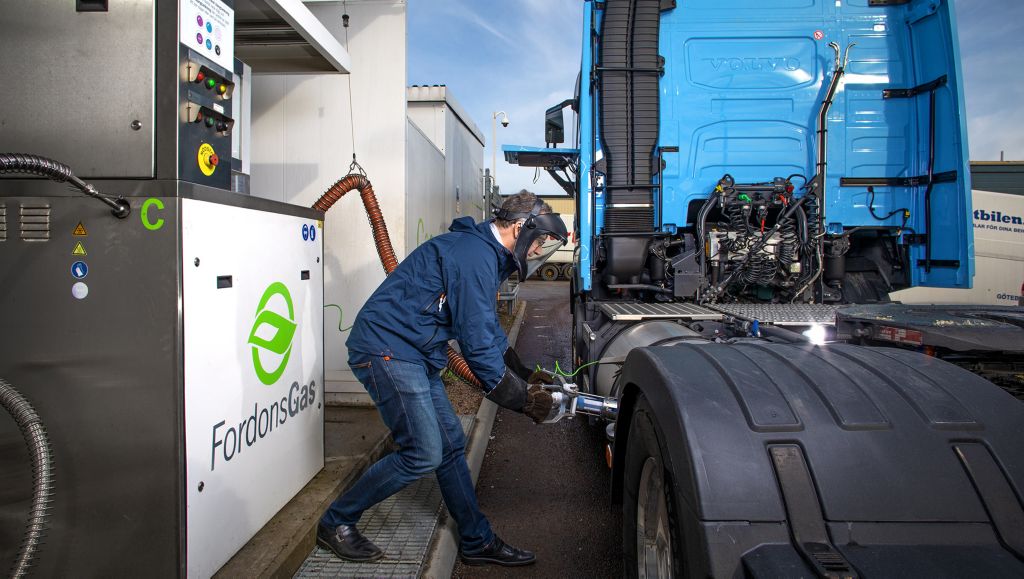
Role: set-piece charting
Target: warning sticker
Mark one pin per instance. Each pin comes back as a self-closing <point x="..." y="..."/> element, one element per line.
<point x="80" y="230"/>
<point x="900" y="335"/>
<point x="79" y="249"/>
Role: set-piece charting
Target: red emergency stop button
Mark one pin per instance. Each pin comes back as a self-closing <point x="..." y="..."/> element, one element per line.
<point x="207" y="159"/>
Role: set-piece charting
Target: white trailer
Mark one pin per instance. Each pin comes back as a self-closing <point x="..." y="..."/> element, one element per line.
<point x="998" y="254"/>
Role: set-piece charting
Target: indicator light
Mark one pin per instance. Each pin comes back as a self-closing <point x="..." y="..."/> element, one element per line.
<point x="222" y="127"/>
<point x="210" y="83"/>
<point x="209" y="121"/>
<point x="222" y="88"/>
<point x="200" y="76"/>
<point x="199" y="117"/>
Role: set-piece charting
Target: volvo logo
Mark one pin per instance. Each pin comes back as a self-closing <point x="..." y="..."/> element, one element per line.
<point x="270" y="354"/>
<point x="755" y="64"/>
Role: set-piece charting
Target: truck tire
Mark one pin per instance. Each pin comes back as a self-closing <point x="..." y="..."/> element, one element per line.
<point x="548" y="272"/>
<point x="650" y="530"/>
<point x="567" y="271"/>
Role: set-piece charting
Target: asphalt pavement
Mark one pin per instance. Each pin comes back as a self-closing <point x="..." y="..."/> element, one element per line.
<point x="546" y="487"/>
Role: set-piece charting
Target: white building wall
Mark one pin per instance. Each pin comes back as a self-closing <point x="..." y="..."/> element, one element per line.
<point x="426" y="190"/>
<point x="302" y="144"/>
<point x="436" y="117"/>
<point x="465" y="168"/>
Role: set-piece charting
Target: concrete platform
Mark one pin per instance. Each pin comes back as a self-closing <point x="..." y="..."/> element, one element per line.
<point x="354" y="438"/>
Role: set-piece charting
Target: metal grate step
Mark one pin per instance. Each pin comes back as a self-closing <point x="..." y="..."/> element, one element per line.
<point x="667" y="311"/>
<point x="402" y="526"/>
<point x="782" y="314"/>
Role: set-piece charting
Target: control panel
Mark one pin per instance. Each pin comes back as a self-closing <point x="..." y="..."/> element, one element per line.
<point x="205" y="92"/>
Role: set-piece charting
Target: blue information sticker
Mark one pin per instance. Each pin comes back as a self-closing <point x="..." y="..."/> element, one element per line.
<point x="79" y="270"/>
<point x="305" y="233"/>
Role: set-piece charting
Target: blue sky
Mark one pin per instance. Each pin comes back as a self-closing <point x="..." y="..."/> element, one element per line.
<point x="522" y="56"/>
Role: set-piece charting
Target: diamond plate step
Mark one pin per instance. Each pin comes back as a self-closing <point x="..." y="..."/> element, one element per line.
<point x="666" y="311"/>
<point x="782" y="314"/>
<point x="402" y="526"/>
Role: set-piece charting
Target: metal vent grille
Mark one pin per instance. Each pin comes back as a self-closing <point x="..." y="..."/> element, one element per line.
<point x="782" y="314"/>
<point x="666" y="311"/>
<point x="35" y="222"/>
<point x="3" y="222"/>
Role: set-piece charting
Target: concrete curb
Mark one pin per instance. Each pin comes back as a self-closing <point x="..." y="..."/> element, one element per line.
<point x="441" y="557"/>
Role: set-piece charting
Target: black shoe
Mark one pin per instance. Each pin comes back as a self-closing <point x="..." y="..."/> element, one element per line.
<point x="499" y="553"/>
<point x="348" y="543"/>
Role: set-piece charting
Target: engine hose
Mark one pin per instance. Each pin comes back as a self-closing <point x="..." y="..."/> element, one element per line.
<point x="61" y="173"/>
<point x="32" y="429"/>
<point x="788" y="245"/>
<point x="456" y="363"/>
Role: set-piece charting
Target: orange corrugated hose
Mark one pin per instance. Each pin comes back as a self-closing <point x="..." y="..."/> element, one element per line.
<point x="456" y="363"/>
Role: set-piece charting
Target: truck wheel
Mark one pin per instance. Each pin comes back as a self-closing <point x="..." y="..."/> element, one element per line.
<point x="650" y="537"/>
<point x="567" y="271"/>
<point x="549" y="272"/>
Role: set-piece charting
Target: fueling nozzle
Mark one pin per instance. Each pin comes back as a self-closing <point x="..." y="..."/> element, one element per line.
<point x="568" y="401"/>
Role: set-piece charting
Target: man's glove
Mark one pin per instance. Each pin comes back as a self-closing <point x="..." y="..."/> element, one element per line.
<point x="512" y="362"/>
<point x="515" y="394"/>
<point x="540" y="406"/>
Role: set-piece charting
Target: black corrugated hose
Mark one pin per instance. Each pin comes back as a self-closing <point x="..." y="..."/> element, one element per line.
<point x="32" y="429"/>
<point x="59" y="172"/>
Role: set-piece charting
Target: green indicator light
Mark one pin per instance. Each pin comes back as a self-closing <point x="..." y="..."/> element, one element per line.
<point x="209" y="121"/>
<point x="210" y="83"/>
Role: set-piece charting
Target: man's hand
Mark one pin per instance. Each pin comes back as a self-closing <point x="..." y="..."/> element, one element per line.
<point x="515" y="394"/>
<point x="539" y="403"/>
<point x="540" y="377"/>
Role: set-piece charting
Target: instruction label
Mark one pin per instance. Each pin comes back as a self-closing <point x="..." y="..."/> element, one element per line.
<point x="208" y="27"/>
<point x="79" y="249"/>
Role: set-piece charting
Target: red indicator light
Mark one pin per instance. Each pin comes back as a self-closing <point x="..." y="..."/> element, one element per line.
<point x="200" y="76"/>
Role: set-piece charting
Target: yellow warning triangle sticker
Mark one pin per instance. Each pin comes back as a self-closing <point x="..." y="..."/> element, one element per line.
<point x="78" y="250"/>
<point x="80" y="230"/>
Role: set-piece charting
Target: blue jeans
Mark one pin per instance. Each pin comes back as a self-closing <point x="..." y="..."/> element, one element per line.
<point x="415" y="407"/>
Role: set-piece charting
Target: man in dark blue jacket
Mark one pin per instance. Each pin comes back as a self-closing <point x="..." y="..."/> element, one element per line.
<point x="445" y="289"/>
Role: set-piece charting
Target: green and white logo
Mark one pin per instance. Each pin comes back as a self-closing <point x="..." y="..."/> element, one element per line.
<point x="274" y="351"/>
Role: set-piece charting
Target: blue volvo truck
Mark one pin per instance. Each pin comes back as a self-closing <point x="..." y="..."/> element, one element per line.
<point x="752" y="179"/>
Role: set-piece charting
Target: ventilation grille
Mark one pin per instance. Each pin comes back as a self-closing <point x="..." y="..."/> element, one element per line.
<point x="35" y="222"/>
<point x="3" y="222"/>
<point x="629" y="67"/>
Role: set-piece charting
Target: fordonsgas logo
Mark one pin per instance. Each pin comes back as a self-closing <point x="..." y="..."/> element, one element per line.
<point x="272" y="352"/>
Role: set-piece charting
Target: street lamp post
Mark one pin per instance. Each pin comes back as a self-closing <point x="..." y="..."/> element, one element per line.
<point x="494" y="144"/>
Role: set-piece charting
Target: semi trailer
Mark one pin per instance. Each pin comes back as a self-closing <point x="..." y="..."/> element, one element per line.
<point x="752" y="180"/>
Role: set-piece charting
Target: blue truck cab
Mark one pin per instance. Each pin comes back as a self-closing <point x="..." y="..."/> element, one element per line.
<point x="749" y="175"/>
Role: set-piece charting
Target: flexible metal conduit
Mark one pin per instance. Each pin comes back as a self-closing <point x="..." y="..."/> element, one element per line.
<point x="61" y="173"/>
<point x="32" y="429"/>
<point x="456" y="363"/>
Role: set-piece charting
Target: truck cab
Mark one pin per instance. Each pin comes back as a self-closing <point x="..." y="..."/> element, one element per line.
<point x="742" y="170"/>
